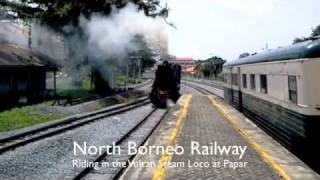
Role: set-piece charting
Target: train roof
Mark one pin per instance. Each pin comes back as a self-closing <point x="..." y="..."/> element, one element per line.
<point x="307" y="49"/>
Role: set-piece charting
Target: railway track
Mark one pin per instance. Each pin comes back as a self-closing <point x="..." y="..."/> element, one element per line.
<point x="90" y="172"/>
<point x="202" y="90"/>
<point x="212" y="84"/>
<point x="148" y="83"/>
<point x="12" y="142"/>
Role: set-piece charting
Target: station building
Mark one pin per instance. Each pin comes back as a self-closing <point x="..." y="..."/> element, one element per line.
<point x="187" y="64"/>
<point x="22" y="75"/>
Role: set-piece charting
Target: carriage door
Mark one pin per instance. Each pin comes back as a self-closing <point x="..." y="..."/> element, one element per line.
<point x="231" y="88"/>
<point x="239" y="88"/>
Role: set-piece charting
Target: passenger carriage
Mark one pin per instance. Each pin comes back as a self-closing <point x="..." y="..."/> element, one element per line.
<point x="280" y="90"/>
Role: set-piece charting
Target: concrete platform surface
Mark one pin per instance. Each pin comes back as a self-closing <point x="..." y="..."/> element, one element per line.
<point x="213" y="147"/>
<point x="206" y="127"/>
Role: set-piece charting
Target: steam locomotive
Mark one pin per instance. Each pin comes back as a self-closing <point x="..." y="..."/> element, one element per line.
<point x="166" y="84"/>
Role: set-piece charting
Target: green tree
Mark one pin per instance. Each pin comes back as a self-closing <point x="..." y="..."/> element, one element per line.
<point x="58" y="13"/>
<point x="141" y="55"/>
<point x="315" y="32"/>
<point x="63" y="16"/>
<point x="216" y="64"/>
<point x="298" y="40"/>
<point x="210" y="67"/>
<point x="143" y="50"/>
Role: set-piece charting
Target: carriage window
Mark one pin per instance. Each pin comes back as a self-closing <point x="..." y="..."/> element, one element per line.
<point x="227" y="78"/>
<point x="252" y="82"/>
<point x="293" y="95"/>
<point x="264" y="84"/>
<point x="244" y="80"/>
<point x="234" y="79"/>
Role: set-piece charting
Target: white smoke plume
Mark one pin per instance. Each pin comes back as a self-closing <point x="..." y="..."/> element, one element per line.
<point x="46" y="41"/>
<point x="104" y="41"/>
<point x="13" y="32"/>
<point x="43" y="39"/>
<point x="111" y="36"/>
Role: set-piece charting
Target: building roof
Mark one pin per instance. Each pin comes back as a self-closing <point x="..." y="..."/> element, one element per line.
<point x="184" y="59"/>
<point x="308" y="49"/>
<point x="14" y="56"/>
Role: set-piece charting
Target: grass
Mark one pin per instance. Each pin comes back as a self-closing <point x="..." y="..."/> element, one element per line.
<point x="75" y="93"/>
<point x="83" y="91"/>
<point x="134" y="81"/>
<point x="86" y="84"/>
<point x="129" y="99"/>
<point x="22" y="117"/>
<point x="121" y="81"/>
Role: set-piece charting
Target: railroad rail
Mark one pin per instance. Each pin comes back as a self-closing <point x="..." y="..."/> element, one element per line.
<point x="215" y="84"/>
<point x="59" y="127"/>
<point x="147" y="83"/>
<point x="203" y="90"/>
<point x="123" y="143"/>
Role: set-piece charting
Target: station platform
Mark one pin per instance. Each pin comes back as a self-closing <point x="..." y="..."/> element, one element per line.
<point x="214" y="141"/>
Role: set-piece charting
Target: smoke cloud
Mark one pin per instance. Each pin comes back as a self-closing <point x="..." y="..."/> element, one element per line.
<point x="112" y="36"/>
<point x="106" y="42"/>
<point x="12" y="32"/>
<point x="100" y="42"/>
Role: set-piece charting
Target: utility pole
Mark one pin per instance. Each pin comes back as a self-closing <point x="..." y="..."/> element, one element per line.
<point x="127" y="76"/>
<point x="29" y="35"/>
<point x="140" y="64"/>
<point x="114" y="77"/>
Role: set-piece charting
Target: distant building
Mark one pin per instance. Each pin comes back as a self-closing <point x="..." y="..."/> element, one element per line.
<point x="187" y="64"/>
<point x="22" y="75"/>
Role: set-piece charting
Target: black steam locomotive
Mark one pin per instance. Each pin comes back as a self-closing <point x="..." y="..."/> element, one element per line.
<point x="166" y="84"/>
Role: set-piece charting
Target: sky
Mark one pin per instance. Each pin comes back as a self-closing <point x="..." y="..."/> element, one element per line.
<point x="227" y="28"/>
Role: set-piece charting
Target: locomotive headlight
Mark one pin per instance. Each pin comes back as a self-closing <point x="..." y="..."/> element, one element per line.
<point x="310" y="45"/>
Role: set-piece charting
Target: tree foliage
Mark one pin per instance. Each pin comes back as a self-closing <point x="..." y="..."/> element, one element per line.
<point x="315" y="32"/>
<point x="298" y="40"/>
<point x="210" y="67"/>
<point x="143" y="51"/>
<point x="58" y="13"/>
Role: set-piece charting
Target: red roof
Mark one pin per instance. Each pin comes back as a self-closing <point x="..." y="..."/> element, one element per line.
<point x="184" y="59"/>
